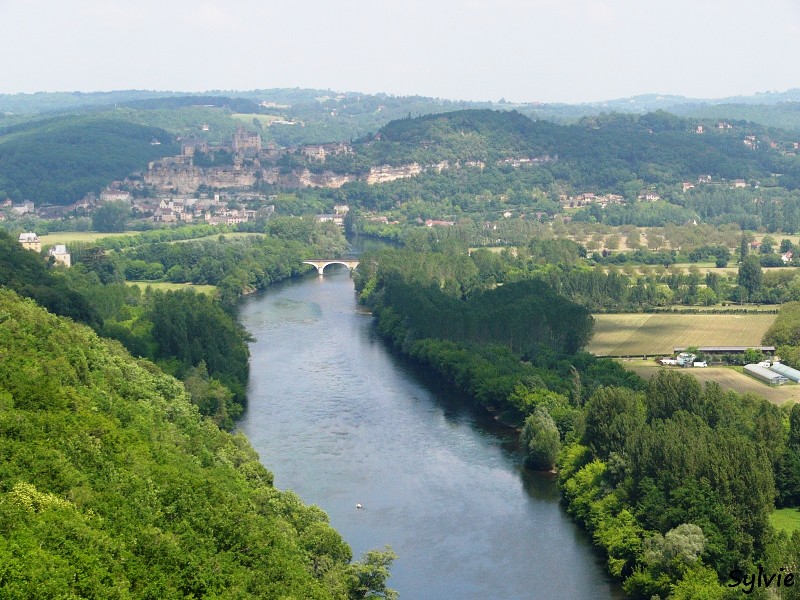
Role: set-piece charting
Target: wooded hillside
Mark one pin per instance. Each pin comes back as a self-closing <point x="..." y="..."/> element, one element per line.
<point x="113" y="486"/>
<point x="60" y="160"/>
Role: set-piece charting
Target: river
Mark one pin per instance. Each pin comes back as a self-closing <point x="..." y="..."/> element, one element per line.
<point x="341" y="420"/>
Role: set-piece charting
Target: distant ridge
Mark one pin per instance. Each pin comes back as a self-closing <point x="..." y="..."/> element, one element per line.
<point x="55" y="101"/>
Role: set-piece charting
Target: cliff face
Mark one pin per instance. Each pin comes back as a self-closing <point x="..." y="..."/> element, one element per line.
<point x="386" y="173"/>
<point x="186" y="178"/>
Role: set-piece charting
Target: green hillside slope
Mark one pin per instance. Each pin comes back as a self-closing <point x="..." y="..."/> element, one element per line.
<point x="113" y="486"/>
<point x="603" y="151"/>
<point x="59" y="160"/>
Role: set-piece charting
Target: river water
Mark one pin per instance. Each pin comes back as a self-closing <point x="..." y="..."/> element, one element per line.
<point x="341" y="420"/>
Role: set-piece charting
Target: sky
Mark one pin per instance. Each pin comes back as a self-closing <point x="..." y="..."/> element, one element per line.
<point x="521" y="50"/>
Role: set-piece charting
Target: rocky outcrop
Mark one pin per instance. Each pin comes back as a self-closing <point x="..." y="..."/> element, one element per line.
<point x="181" y="175"/>
<point x="386" y="173"/>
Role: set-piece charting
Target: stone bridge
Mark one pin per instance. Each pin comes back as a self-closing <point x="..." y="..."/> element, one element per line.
<point x="320" y="264"/>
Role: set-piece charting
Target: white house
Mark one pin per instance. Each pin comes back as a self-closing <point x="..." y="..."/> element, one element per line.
<point x="61" y="255"/>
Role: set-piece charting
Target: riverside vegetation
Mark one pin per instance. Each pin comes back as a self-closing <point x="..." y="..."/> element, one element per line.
<point x="114" y="485"/>
<point x="674" y="481"/>
<point x="118" y="480"/>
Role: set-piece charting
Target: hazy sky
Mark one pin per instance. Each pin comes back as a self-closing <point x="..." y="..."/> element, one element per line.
<point x="523" y="50"/>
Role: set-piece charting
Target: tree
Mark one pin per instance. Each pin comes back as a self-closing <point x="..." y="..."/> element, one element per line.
<point x="211" y="397"/>
<point x="368" y="576"/>
<point x="698" y="583"/>
<point x="350" y="222"/>
<point x="794" y="426"/>
<point x="612" y="414"/>
<point x="541" y="440"/>
<point x="786" y="245"/>
<point x="744" y="248"/>
<point x="751" y="355"/>
<point x="712" y="282"/>
<point x="722" y="258"/>
<point x="750" y="276"/>
<point x="111" y="216"/>
<point x="97" y="261"/>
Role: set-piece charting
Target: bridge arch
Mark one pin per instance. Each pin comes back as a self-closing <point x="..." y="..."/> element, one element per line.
<point x="322" y="263"/>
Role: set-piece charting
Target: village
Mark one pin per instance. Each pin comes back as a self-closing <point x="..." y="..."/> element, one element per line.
<point x="232" y="183"/>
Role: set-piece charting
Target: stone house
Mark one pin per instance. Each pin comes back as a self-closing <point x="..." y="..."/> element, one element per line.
<point x="61" y="255"/>
<point x="30" y="241"/>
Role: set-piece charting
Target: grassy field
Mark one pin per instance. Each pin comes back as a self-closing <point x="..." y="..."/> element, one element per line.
<point x="785" y="519"/>
<point x="265" y="120"/>
<point x="647" y="334"/>
<point x="728" y="378"/>
<point x="228" y="236"/>
<point x="65" y="237"/>
<point x="165" y="286"/>
<point x="778" y="237"/>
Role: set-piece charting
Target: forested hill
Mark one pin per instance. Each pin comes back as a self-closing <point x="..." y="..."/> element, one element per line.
<point x="60" y="160"/>
<point x="602" y="152"/>
<point x="113" y="486"/>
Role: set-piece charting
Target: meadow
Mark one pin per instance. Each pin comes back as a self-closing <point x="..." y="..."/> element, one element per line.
<point x="265" y="120"/>
<point x="215" y="236"/>
<point x="167" y="286"/>
<point x="639" y="334"/>
<point x="65" y="237"/>
<point x="786" y="519"/>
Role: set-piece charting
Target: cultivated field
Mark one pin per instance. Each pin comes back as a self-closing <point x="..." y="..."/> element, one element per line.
<point x="647" y="334"/>
<point x="727" y="377"/>
<point x="65" y="237"/>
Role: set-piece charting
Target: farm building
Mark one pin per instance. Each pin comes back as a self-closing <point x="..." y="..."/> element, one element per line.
<point x="787" y="372"/>
<point x="729" y="349"/>
<point x="765" y="375"/>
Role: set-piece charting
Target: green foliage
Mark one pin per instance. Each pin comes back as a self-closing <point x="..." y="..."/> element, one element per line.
<point x="621" y="536"/>
<point x="211" y="397"/>
<point x="611" y="416"/>
<point x="431" y="293"/>
<point x="682" y="477"/>
<point x="234" y="265"/>
<point x="527" y="400"/>
<point x="751" y="276"/>
<point x="368" y="577"/>
<point x="541" y="440"/>
<point x="113" y="485"/>
<point x="191" y="328"/>
<point x="24" y="272"/>
<point x="445" y="311"/>
<point x="698" y="584"/>
<point x="585" y="489"/>
<point x="111" y="216"/>
<point x="785" y="331"/>
<point x="60" y="159"/>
